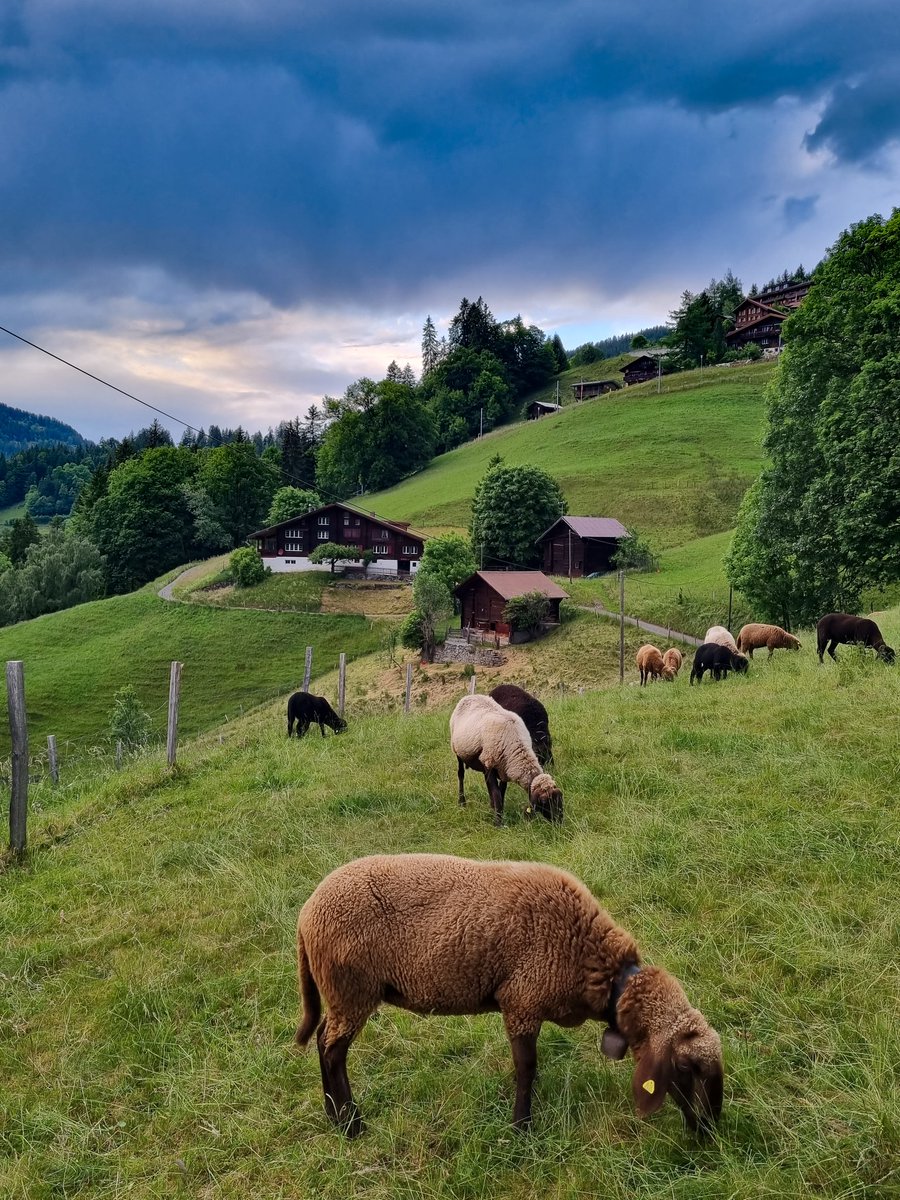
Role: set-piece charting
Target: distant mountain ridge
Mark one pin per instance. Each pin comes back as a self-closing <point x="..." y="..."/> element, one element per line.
<point x="20" y="429"/>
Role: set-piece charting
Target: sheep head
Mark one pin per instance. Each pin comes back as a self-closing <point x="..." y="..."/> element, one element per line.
<point x="545" y="797"/>
<point x="740" y="663"/>
<point x="675" y="1048"/>
<point x="792" y="643"/>
<point x="886" y="654"/>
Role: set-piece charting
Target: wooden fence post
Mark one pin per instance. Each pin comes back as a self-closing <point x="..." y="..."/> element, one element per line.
<point x="342" y="682"/>
<point x="472" y="684"/>
<point x="621" y="627"/>
<point x="18" y="800"/>
<point x="174" y="695"/>
<point x="307" y="670"/>
<point x="409" y="671"/>
<point x="118" y="756"/>
<point x="54" y="761"/>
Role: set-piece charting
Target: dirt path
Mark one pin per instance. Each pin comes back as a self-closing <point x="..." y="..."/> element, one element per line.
<point x="659" y="630"/>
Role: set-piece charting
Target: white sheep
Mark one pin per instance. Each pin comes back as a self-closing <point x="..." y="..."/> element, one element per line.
<point x="488" y="738"/>
<point x="441" y="935"/>
<point x="721" y="636"/>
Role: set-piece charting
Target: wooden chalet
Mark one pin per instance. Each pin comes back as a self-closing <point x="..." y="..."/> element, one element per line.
<point x="576" y="546"/>
<point x="541" y="408"/>
<point x="287" y="546"/>
<point x="484" y="596"/>
<point x="786" y="295"/>
<point x="594" y="387"/>
<point x="756" y="322"/>
<point x="639" y="370"/>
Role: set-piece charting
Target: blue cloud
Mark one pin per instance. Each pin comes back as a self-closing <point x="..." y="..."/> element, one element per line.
<point x="799" y="209"/>
<point x="860" y="119"/>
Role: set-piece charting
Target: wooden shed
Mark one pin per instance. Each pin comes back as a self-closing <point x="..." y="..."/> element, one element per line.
<point x="484" y="596"/>
<point x="594" y="387"/>
<point x="639" y="370"/>
<point x="541" y="408"/>
<point x="576" y="546"/>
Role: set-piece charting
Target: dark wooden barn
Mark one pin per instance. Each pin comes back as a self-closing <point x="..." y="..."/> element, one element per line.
<point x="639" y="370"/>
<point x="576" y="546"/>
<point x="594" y="387"/>
<point x="288" y="545"/>
<point x="484" y="596"/>
<point x="541" y="408"/>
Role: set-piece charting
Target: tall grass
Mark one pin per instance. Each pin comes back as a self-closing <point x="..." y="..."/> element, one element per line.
<point x="745" y="832"/>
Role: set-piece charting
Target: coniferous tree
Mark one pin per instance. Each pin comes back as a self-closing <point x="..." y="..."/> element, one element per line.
<point x="430" y="347"/>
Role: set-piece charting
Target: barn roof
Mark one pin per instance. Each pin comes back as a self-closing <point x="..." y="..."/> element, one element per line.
<point x="396" y="526"/>
<point x="509" y="584"/>
<point x="590" y="527"/>
<point x="649" y="359"/>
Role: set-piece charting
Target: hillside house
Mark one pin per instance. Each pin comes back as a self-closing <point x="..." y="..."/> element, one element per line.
<point x="287" y="545"/>
<point x="484" y="596"/>
<point x="576" y="546"/>
<point x="640" y="369"/>
<point x="755" y="321"/>
<point x="594" y="387"/>
<point x="541" y="408"/>
<point x="786" y="295"/>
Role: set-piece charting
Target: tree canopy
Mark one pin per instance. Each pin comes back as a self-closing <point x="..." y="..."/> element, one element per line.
<point x="511" y="507"/>
<point x="824" y="521"/>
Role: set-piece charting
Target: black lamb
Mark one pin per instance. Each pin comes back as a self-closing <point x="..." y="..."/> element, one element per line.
<point x="836" y="629"/>
<point x="716" y="659"/>
<point x="304" y="708"/>
<point x="533" y="713"/>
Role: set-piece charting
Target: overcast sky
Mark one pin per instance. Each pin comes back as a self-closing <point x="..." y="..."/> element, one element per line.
<point x="232" y="209"/>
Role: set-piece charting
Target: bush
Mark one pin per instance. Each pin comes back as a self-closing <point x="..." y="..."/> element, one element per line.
<point x="410" y="632"/>
<point x="635" y="554"/>
<point x="128" y="722"/>
<point x="526" y="614"/>
<point x="247" y="568"/>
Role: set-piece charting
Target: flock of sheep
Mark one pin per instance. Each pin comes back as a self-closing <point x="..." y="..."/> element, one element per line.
<point x="437" y="934"/>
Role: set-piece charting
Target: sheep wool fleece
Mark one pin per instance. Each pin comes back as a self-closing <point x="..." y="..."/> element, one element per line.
<point x="438" y="934"/>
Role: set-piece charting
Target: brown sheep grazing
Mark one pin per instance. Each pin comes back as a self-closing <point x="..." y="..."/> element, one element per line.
<point x="835" y="629"/>
<point x="772" y="637"/>
<point x="650" y="663"/>
<point x="672" y="660"/>
<point x="449" y="936"/>
<point x="487" y="737"/>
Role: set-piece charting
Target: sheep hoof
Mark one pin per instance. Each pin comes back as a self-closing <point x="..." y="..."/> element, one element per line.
<point x="351" y="1122"/>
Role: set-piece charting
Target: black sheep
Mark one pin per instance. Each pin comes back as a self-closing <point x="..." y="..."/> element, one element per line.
<point x="304" y="708"/>
<point x="716" y="659"/>
<point x="836" y="629"/>
<point x="533" y="713"/>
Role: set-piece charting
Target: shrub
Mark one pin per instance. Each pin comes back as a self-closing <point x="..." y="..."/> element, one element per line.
<point x="128" y="722"/>
<point x="635" y="554"/>
<point x="526" y="614"/>
<point x="247" y="567"/>
<point x="410" y="631"/>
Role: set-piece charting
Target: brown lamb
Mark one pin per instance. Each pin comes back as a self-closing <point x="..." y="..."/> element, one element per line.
<point x="672" y="660"/>
<point x="650" y="663"/>
<point x="772" y="637"/>
<point x="449" y="936"/>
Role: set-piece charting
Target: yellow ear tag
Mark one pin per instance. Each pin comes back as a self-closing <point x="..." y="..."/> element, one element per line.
<point x="529" y="810"/>
<point x="649" y="1085"/>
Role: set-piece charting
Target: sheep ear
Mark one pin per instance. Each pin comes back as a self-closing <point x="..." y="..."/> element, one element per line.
<point x="652" y="1076"/>
<point x="613" y="1044"/>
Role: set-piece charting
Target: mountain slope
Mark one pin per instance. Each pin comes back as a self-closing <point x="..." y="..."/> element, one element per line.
<point x="20" y="429"/>
<point x="651" y="460"/>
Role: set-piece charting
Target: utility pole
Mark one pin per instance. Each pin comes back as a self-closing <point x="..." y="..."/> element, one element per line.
<point x="481" y="423"/>
<point x="658" y="374"/>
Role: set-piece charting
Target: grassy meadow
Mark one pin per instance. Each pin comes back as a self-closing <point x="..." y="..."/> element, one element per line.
<point x="746" y="833"/>
<point x="75" y="660"/>
<point x="650" y="460"/>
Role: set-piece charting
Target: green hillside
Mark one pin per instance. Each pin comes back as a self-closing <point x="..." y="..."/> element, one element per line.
<point x="744" y="832"/>
<point x="651" y="460"/>
<point x="75" y="660"/>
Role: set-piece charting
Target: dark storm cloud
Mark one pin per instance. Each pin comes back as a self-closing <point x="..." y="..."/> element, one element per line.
<point x="362" y="151"/>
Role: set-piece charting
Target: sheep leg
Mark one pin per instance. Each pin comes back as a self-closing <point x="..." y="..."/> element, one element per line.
<point x="461" y="774"/>
<point x="493" y="786"/>
<point x="832" y="648"/>
<point x="321" y="726"/>
<point x="524" y="1052"/>
<point x="340" y="1107"/>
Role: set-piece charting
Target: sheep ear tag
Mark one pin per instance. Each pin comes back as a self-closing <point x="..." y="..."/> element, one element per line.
<point x="649" y="1085"/>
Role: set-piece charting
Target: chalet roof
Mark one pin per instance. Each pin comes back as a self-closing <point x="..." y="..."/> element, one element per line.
<point x="396" y="526"/>
<point x="590" y="527"/>
<point x="510" y="584"/>
<point x="650" y="359"/>
<point x="548" y="404"/>
<point x="759" y="304"/>
<point x="767" y="316"/>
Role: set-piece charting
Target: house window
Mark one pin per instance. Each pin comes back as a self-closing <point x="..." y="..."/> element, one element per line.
<point x="346" y="518"/>
<point x="410" y="549"/>
<point x="385" y="533"/>
<point x="323" y="535"/>
<point x="323" y="520"/>
<point x="380" y="549"/>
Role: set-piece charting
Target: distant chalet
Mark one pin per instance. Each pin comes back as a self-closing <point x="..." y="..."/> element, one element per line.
<point x="758" y="320"/>
<point x="576" y="546"/>
<point x="640" y="370"/>
<point x="595" y="387"/>
<point x="541" y="408"/>
<point x="288" y="545"/>
<point x="484" y="596"/>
